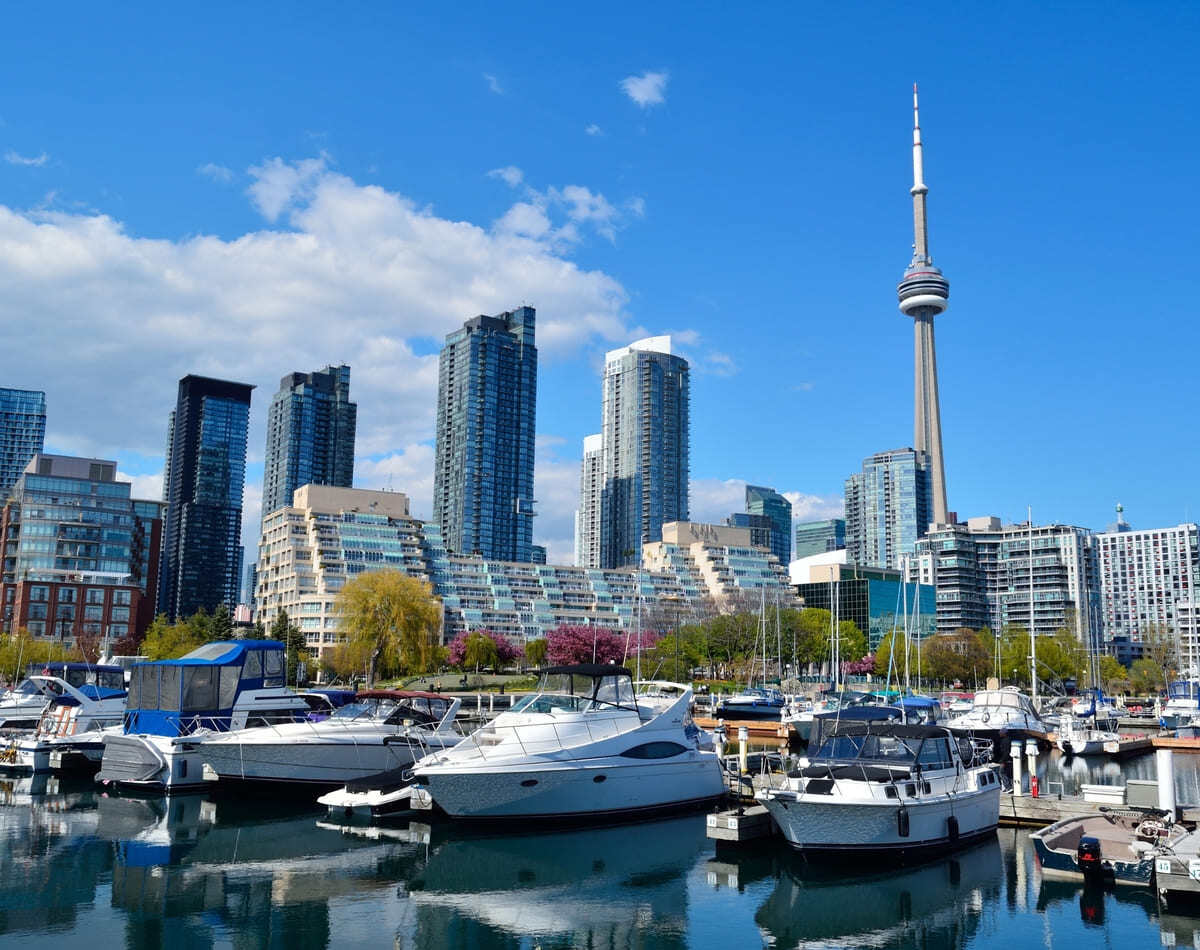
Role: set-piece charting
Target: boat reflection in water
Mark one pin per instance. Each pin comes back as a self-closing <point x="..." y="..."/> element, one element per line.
<point x="932" y="906"/>
<point x="618" y="886"/>
<point x="210" y="869"/>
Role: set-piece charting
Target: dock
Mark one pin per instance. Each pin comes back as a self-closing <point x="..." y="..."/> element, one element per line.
<point x="1178" y="745"/>
<point x="758" y="729"/>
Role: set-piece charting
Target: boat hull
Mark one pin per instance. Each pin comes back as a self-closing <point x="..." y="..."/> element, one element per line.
<point x="152" y="763"/>
<point x="319" y="764"/>
<point x="818" y="825"/>
<point x="607" y="786"/>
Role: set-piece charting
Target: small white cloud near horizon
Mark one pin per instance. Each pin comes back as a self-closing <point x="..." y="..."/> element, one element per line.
<point x="215" y="172"/>
<point x="279" y="185"/>
<point x="648" y="89"/>
<point x="509" y="174"/>
<point x="593" y="129"/>
<point x="34" y="161"/>
<point x="145" y="487"/>
<point x="493" y="84"/>
<point x="712" y="500"/>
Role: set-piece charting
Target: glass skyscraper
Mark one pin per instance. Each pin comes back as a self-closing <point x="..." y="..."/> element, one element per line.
<point x="645" y="450"/>
<point x="483" y="471"/>
<point x="820" y="537"/>
<point x="310" y="435"/>
<point x="767" y="501"/>
<point x="204" y="479"/>
<point x="22" y="433"/>
<point x="888" y="507"/>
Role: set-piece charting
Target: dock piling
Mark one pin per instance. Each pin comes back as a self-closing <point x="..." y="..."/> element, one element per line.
<point x="1164" y="762"/>
<point x="1016" y="751"/>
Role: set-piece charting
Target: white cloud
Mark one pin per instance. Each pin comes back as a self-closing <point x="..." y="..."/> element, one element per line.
<point x="700" y="358"/>
<point x="556" y="485"/>
<point x="280" y="185"/>
<point x="215" y="172"/>
<point x="712" y="500"/>
<point x="107" y="321"/>
<point x="594" y="129"/>
<point x="807" y="507"/>
<point x="648" y="89"/>
<point x="636" y="207"/>
<point x="493" y="84"/>
<point x="408" y="470"/>
<point x="509" y="174"/>
<point x="13" y="158"/>
<point x="145" y="487"/>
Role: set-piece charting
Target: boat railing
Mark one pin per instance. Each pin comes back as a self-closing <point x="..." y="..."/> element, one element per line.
<point x="547" y="735"/>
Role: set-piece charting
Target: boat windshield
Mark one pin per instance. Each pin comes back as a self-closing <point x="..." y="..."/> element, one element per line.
<point x="889" y="749"/>
<point x="1184" y="689"/>
<point x="27" y="688"/>
<point x="579" y="692"/>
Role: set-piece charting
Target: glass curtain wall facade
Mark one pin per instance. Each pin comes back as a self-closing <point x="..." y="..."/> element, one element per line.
<point x="483" y="470"/>
<point x="22" y="433"/>
<point x="81" y="555"/>
<point x="877" y="601"/>
<point x="767" y="501"/>
<point x="820" y="537"/>
<point x="206" y="466"/>
<point x="645" y="448"/>
<point x="888" y="507"/>
<point x="310" y="435"/>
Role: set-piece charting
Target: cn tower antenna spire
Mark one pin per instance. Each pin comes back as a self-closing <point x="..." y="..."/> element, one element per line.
<point x="924" y="293"/>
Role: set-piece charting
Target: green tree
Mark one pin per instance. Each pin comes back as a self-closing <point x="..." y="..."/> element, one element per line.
<point x="535" y="652"/>
<point x="956" y="657"/>
<point x="167" y="641"/>
<point x="1146" y="677"/>
<point x="1113" y="676"/>
<point x="396" y="615"/>
<point x="480" y="652"/>
<point x="256" y="632"/>
<point x="221" y="627"/>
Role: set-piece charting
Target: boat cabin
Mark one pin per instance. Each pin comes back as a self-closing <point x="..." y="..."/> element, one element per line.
<point x="826" y="724"/>
<point x="882" y="751"/>
<point x="579" y="688"/>
<point x="95" y="682"/>
<point x="1184" y="690"/>
<point x="397" y="707"/>
<point x="202" y="689"/>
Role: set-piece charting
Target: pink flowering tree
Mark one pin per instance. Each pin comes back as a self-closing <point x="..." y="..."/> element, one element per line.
<point x="477" y="648"/>
<point x="865" y="665"/>
<point x="574" y="644"/>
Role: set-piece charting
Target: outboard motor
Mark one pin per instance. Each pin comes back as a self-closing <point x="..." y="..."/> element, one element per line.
<point x="1089" y="857"/>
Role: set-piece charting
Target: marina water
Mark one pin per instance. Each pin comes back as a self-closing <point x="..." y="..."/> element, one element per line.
<point x="79" y="866"/>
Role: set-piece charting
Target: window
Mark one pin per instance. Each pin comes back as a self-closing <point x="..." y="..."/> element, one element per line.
<point x="64" y="612"/>
<point x="654" y="750"/>
<point x="122" y="597"/>
<point x="119" y="613"/>
<point x="39" y="594"/>
<point x="93" y="613"/>
<point x="66" y="595"/>
<point x="37" y="611"/>
<point x="95" y="595"/>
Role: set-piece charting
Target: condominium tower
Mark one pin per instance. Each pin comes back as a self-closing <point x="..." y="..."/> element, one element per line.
<point x="587" y="518"/>
<point x="483" y="471"/>
<point x="310" y="435"/>
<point x="887" y="507"/>
<point x="1148" y="579"/>
<point x="645" y="447"/>
<point x="22" y="433"/>
<point x="768" y="502"/>
<point x="204" y="480"/>
<point x="819" y="537"/>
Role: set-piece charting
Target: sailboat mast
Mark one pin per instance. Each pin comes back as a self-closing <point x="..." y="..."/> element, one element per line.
<point x="1032" y="631"/>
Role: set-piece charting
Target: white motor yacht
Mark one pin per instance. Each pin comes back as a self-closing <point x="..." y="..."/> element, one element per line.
<point x="380" y="731"/>
<point x="1182" y="705"/>
<point x="582" y="744"/>
<point x="70" y="732"/>
<point x="1078" y="737"/>
<point x="174" y="705"/>
<point x="21" y="707"/>
<point x="887" y="787"/>
<point x="1001" y="715"/>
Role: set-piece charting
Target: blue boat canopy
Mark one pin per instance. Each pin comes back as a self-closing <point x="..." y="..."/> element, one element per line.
<point x="174" y="697"/>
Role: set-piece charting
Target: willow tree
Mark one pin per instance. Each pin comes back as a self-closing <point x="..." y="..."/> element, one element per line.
<point x="395" y="616"/>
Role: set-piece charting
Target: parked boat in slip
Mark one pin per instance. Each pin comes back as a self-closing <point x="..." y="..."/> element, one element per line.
<point x="1001" y="715"/>
<point x="21" y="707"/>
<point x="1117" y="846"/>
<point x="887" y="787"/>
<point x="583" y="744"/>
<point x="380" y="731"/>
<point x="173" y="705"/>
<point x="70" y="733"/>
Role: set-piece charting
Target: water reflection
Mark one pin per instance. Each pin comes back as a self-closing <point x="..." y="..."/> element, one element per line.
<point x="936" y="905"/>
<point x="1075" y="770"/>
<point x="620" y="886"/>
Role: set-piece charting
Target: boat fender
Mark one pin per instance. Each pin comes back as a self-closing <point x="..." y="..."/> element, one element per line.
<point x="902" y="822"/>
<point x="952" y="827"/>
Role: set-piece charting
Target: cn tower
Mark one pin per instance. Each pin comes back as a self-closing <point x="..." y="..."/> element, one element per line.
<point x="924" y="293"/>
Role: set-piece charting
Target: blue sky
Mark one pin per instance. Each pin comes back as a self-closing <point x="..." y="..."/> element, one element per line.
<point x="247" y="193"/>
